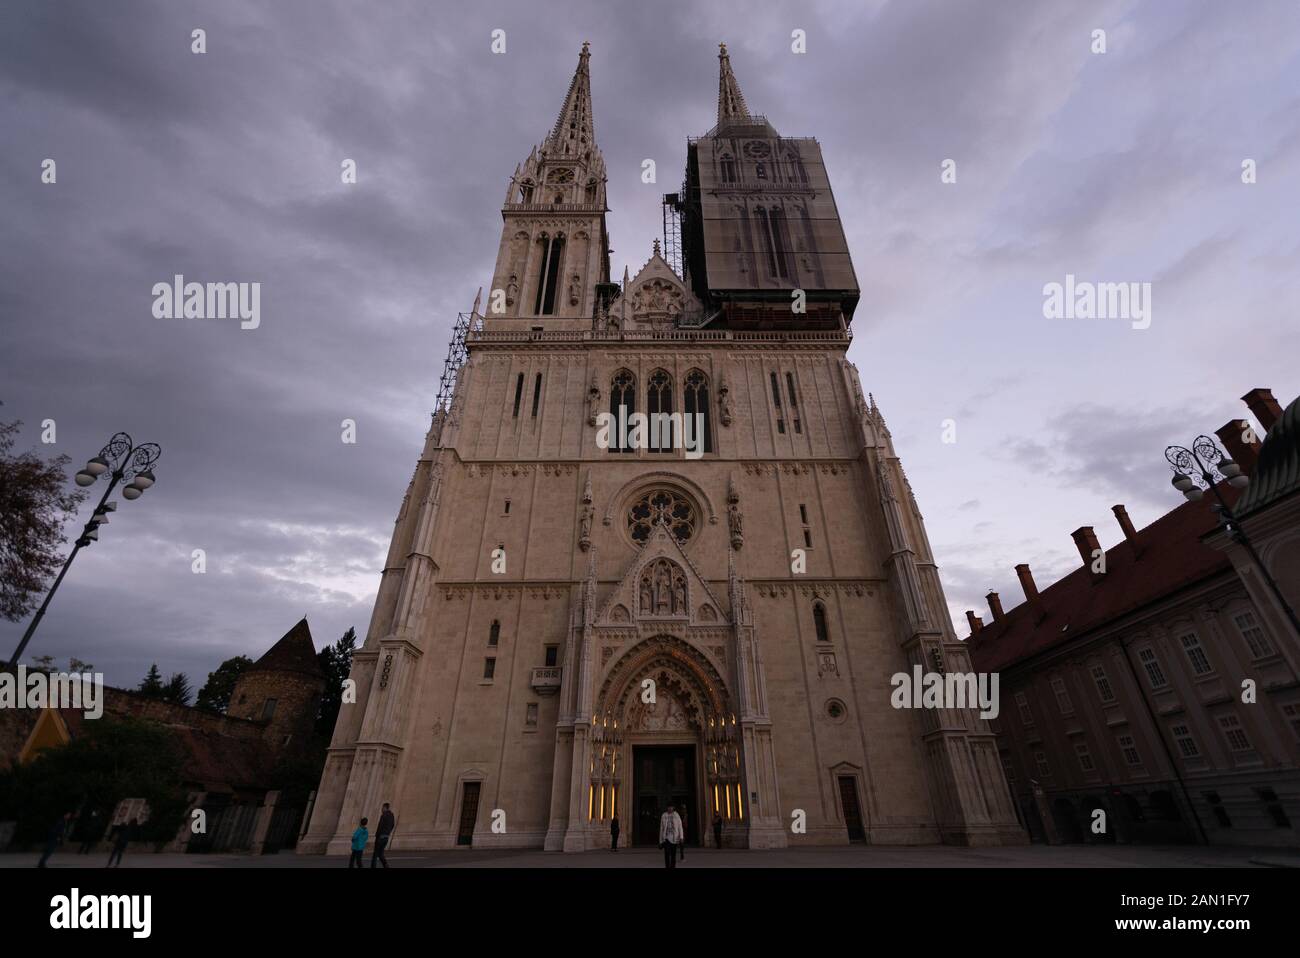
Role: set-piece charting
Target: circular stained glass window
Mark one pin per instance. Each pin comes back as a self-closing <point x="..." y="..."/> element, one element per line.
<point x="661" y="507"/>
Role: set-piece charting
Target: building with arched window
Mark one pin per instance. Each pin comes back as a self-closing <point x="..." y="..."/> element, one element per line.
<point x="684" y="572"/>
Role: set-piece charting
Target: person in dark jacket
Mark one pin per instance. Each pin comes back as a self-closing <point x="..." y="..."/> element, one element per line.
<point x="383" y="832"/>
<point x="613" y="834"/>
<point x="717" y="830"/>
<point x="92" y="830"/>
<point x="122" y="836"/>
<point x="54" y="837"/>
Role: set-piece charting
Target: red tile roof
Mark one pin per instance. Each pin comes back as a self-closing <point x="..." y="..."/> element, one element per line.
<point x="1171" y="557"/>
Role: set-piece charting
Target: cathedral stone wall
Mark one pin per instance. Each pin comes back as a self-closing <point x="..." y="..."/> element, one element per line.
<point x="565" y="631"/>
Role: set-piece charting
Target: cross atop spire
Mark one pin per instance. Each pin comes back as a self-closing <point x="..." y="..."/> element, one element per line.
<point x="574" y="133"/>
<point x="731" y="102"/>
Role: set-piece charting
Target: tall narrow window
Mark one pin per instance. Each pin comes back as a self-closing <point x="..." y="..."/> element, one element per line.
<point x="728" y="169"/>
<point x="489" y="669"/>
<point x="780" y="243"/>
<point x="1195" y="653"/>
<point x="622" y="403"/>
<point x="526" y="192"/>
<point x="659" y="407"/>
<point x="1102" y="680"/>
<point x="697" y="404"/>
<point x="519" y="393"/>
<point x="537" y="393"/>
<point x="803" y="513"/>
<point x="1155" y="674"/>
<point x="765" y="228"/>
<point x="776" y="401"/>
<point x="494" y="633"/>
<point x="552" y="274"/>
<point x="794" y="402"/>
<point x="819" y="622"/>
<point x="541" y="272"/>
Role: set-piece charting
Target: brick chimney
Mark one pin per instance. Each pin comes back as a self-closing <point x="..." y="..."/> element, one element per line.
<point x="995" y="606"/>
<point x="976" y="623"/>
<point x="1245" y="454"/>
<point x="1266" y="409"/>
<point x="1086" y="540"/>
<point x="1126" y="524"/>
<point x="1027" y="582"/>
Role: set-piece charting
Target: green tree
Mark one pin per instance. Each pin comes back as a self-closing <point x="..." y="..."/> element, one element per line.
<point x="216" y="691"/>
<point x="35" y="502"/>
<point x="178" y="690"/>
<point x="336" y="662"/>
<point x="152" y="685"/>
<point x="109" y="760"/>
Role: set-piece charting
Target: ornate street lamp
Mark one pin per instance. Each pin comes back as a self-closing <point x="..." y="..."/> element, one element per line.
<point x="122" y="461"/>
<point x="1202" y="467"/>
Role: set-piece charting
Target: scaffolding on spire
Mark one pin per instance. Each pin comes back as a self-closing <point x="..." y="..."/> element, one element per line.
<point x="446" y="407"/>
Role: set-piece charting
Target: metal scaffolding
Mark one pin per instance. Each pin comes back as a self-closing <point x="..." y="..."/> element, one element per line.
<point x="446" y="407"/>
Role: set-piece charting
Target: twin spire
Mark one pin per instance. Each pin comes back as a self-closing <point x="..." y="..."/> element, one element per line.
<point x="574" y="129"/>
<point x="731" y="102"/>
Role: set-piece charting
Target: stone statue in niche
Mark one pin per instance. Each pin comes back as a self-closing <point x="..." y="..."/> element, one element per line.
<point x="663" y="594"/>
<point x="724" y="403"/>
<point x="735" y="518"/>
<point x="588" y="512"/>
<point x="679" y="596"/>
<point x="593" y="401"/>
<point x="512" y="290"/>
<point x="647" y="607"/>
<point x="574" y="290"/>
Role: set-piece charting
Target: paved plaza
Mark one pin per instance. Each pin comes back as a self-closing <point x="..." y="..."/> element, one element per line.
<point x="926" y="856"/>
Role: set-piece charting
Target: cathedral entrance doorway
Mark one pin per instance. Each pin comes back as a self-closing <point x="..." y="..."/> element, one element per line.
<point x="663" y="775"/>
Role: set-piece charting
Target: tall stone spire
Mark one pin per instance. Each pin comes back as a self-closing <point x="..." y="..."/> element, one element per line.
<point x="731" y="102"/>
<point x="574" y="133"/>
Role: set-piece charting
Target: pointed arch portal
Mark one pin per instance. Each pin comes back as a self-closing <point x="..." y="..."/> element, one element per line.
<point x="664" y="731"/>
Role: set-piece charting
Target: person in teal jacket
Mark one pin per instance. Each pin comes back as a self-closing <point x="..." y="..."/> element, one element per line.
<point x="359" y="839"/>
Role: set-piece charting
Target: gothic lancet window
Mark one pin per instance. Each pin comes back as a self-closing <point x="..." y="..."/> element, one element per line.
<point x="494" y="634"/>
<point x="776" y="402"/>
<point x="659" y="407"/>
<point x="728" y="166"/>
<point x="622" y="393"/>
<point x="541" y="272"/>
<point x="697" y="403"/>
<point x="780" y="242"/>
<point x="537" y="393"/>
<point x="519" y="393"/>
<point x="794" y="403"/>
<point x="819" y="622"/>
<point x="526" y="191"/>
<point x="552" y="274"/>
<point x="765" y="230"/>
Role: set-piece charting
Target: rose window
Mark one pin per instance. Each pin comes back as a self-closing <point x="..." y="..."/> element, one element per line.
<point x="661" y="507"/>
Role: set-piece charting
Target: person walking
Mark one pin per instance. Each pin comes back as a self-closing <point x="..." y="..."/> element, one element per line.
<point x="359" y="839"/>
<point x="681" y="845"/>
<point x="383" y="832"/>
<point x="613" y="834"/>
<point x="54" y="837"/>
<point x="670" y="834"/>
<point x="92" y="830"/>
<point x="122" y="835"/>
<point x="717" y="830"/>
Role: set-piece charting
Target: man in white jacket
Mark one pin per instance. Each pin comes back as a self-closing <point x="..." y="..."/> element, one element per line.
<point x="671" y="834"/>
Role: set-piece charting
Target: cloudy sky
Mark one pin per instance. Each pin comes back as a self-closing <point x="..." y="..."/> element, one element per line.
<point x="1115" y="167"/>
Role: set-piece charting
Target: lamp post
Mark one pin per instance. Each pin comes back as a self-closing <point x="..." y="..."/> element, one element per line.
<point x="120" y="460"/>
<point x="1201" y="468"/>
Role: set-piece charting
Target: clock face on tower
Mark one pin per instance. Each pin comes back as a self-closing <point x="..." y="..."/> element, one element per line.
<point x="560" y="176"/>
<point x="757" y="149"/>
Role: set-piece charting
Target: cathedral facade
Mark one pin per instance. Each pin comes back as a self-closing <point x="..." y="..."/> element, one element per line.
<point x="577" y="622"/>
